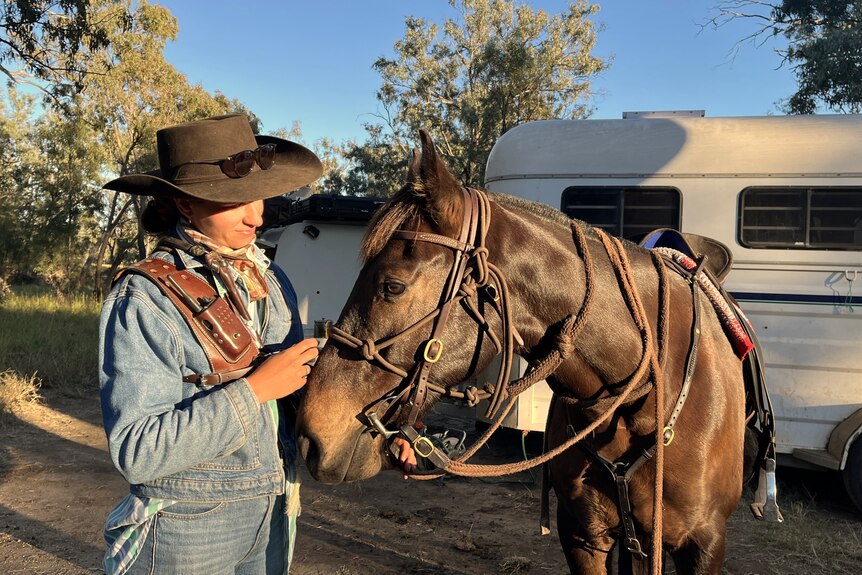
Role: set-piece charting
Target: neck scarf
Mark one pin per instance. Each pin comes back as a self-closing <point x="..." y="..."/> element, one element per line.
<point x="248" y="263"/>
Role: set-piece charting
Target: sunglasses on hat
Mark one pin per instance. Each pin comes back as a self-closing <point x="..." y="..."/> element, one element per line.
<point x="240" y="164"/>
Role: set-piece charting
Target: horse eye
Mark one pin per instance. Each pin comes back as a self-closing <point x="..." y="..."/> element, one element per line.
<point x="393" y="288"/>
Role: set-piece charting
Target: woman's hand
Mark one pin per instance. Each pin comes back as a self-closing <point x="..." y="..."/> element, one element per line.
<point x="406" y="455"/>
<point x="284" y="372"/>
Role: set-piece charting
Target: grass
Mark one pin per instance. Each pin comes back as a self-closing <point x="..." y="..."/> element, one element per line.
<point x="821" y="533"/>
<point x="46" y="342"/>
<point x="16" y="391"/>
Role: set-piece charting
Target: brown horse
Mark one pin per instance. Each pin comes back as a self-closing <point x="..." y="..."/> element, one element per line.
<point x="377" y="373"/>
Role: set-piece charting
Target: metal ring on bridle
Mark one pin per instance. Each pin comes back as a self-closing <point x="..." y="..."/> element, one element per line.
<point x="436" y="357"/>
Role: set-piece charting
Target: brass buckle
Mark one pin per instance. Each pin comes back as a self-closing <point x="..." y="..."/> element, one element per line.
<point x="436" y="357"/>
<point x="423" y="441"/>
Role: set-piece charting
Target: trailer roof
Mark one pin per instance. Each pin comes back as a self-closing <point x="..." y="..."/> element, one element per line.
<point x="680" y="147"/>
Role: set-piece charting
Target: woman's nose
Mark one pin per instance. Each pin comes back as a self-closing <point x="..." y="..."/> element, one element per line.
<point x="254" y="214"/>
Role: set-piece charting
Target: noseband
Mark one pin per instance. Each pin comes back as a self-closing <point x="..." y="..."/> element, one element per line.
<point x="469" y="273"/>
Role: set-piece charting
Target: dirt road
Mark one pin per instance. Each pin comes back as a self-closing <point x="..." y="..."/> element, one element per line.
<point x="57" y="486"/>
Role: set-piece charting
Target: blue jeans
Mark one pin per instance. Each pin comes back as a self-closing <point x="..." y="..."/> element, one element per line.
<point x="245" y="537"/>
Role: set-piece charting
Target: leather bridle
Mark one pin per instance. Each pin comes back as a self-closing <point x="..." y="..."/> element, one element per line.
<point x="470" y="273"/>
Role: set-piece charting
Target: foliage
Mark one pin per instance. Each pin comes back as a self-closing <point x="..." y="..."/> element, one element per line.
<point x="824" y="48"/>
<point x="56" y="224"/>
<point x="498" y="65"/>
<point x="52" y="340"/>
<point x="5" y="290"/>
<point x="17" y="155"/>
<point x="139" y="94"/>
<point x="826" y="51"/>
<point x="49" y="41"/>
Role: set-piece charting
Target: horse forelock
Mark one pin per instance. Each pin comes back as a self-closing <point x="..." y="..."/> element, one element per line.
<point x="403" y="207"/>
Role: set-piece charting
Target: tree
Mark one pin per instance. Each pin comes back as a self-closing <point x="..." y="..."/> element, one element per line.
<point x="55" y="219"/>
<point x="498" y="65"/>
<point x="17" y="155"/>
<point x="139" y="94"/>
<point x="824" y="48"/>
<point x="42" y="42"/>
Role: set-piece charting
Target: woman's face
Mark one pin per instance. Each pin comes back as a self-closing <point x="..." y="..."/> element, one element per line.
<point x="230" y="225"/>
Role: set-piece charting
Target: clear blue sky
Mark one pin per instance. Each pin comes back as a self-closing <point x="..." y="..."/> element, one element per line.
<point x="311" y="61"/>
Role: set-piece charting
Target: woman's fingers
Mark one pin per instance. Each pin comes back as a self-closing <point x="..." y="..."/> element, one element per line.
<point x="283" y="373"/>
<point x="406" y="455"/>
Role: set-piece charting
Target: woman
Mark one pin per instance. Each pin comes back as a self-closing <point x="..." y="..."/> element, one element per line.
<point x="201" y="351"/>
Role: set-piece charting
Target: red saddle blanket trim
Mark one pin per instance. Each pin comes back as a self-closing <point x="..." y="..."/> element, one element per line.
<point x="737" y="335"/>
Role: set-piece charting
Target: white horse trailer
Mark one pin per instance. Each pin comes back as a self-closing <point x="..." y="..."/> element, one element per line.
<point x="783" y="193"/>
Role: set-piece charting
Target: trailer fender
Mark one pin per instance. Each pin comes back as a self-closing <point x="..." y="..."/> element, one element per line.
<point x="847" y="438"/>
<point x="842" y="437"/>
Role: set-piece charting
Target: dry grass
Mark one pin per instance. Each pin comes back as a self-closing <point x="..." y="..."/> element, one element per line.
<point x="821" y="533"/>
<point x="514" y="565"/>
<point x="16" y="392"/>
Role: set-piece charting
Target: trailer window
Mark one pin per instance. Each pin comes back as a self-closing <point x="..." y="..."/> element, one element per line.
<point x="801" y="218"/>
<point x="629" y="212"/>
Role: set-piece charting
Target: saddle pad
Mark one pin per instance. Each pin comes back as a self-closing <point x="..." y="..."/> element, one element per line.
<point x="728" y="312"/>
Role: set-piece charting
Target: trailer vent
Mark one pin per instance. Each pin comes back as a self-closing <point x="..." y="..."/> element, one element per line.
<point x="801" y="218"/>
<point x="665" y="114"/>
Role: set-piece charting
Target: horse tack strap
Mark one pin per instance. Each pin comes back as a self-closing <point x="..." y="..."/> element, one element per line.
<point x="227" y="342"/>
<point x="690" y="363"/>
<point x="469" y="230"/>
<point x="432" y="238"/>
<point x="622" y="472"/>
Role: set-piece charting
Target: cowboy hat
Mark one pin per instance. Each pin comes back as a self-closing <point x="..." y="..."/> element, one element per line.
<point x="195" y="160"/>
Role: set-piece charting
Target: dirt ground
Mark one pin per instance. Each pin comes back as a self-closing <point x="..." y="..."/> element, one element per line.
<point x="57" y="486"/>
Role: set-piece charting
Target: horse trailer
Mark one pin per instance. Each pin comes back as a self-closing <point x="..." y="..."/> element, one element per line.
<point x="784" y="193"/>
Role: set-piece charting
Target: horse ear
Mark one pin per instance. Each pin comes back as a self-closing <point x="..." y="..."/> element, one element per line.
<point x="413" y="174"/>
<point x="442" y="192"/>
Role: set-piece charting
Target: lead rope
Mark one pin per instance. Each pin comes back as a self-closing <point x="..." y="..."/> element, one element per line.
<point x="552" y="361"/>
<point x="565" y="343"/>
<point x="622" y="268"/>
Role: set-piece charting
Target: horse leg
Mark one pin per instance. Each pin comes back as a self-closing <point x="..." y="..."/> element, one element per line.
<point x="584" y="556"/>
<point x="703" y="554"/>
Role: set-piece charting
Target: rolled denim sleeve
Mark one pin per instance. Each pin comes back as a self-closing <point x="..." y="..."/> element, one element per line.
<point x="155" y="423"/>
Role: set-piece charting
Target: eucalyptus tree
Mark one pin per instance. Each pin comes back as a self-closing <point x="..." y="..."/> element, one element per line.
<point x="138" y="94"/>
<point x="46" y="43"/>
<point x="499" y="63"/>
<point x="108" y="88"/>
<point x="18" y="154"/>
<point x="823" y="47"/>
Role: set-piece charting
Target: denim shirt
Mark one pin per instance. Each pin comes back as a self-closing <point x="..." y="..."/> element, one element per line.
<point x="176" y="440"/>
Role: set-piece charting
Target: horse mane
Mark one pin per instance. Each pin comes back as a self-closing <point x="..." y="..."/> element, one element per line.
<point x="406" y="205"/>
<point x="544" y="211"/>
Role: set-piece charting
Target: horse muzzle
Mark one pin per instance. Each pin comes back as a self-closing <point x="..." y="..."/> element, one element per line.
<point x="356" y="456"/>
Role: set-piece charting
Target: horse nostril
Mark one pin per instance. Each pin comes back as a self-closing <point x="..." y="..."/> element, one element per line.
<point x="310" y="453"/>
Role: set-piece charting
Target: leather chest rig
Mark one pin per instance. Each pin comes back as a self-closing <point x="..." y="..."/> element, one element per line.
<point x="230" y="347"/>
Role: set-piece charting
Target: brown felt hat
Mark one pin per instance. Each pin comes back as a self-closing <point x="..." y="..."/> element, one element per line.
<point x="189" y="164"/>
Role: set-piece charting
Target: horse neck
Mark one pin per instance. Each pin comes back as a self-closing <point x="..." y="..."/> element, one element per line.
<point x="547" y="284"/>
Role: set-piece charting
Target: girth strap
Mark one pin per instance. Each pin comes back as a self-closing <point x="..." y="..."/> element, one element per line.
<point x="622" y="472"/>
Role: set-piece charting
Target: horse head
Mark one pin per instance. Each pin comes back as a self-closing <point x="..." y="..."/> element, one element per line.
<point x="414" y="324"/>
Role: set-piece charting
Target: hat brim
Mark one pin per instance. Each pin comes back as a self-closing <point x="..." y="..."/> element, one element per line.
<point x="295" y="166"/>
